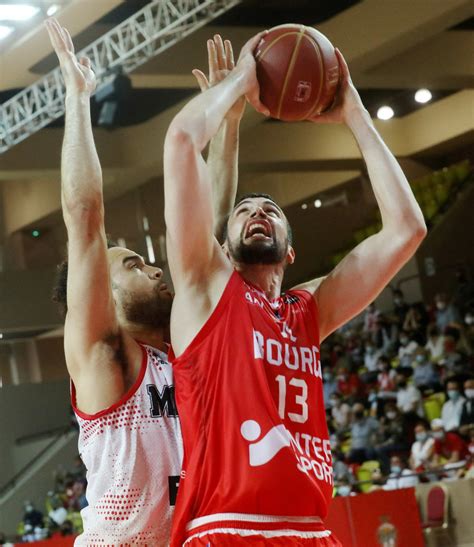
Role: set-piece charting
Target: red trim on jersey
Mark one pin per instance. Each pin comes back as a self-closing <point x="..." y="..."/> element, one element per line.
<point x="125" y="397"/>
<point x="209" y="324"/>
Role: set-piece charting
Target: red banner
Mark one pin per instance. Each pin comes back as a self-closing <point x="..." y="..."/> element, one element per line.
<point x="380" y="519"/>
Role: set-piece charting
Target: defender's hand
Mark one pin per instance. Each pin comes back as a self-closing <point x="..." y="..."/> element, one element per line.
<point x="221" y="63"/>
<point x="78" y="74"/>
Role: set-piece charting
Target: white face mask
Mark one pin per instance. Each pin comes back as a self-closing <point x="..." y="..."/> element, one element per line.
<point x="391" y="415"/>
<point x="438" y="435"/>
<point x="440" y="305"/>
<point x="344" y="490"/>
<point x="469" y="393"/>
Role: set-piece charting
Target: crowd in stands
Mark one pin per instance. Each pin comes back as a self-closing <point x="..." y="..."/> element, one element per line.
<point x="61" y="512"/>
<point x="399" y="397"/>
<point x="399" y="393"/>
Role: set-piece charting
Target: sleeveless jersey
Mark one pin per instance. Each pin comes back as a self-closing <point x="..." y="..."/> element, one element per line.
<point x="249" y="392"/>
<point x="132" y="452"/>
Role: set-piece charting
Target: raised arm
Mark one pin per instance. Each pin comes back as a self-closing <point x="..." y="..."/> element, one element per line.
<point x="222" y="159"/>
<point x="198" y="266"/>
<point x="364" y="272"/>
<point x="90" y="318"/>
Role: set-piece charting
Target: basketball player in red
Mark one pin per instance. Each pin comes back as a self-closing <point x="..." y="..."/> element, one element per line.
<point x="257" y="465"/>
<point x="117" y="326"/>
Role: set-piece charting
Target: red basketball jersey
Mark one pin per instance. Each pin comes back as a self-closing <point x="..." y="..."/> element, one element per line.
<point x="250" y="398"/>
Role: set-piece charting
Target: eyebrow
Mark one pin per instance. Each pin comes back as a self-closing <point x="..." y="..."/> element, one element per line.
<point x="266" y="202"/>
<point x="132" y="258"/>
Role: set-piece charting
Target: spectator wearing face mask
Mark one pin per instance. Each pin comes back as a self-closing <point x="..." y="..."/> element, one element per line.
<point x="329" y="385"/>
<point x="425" y="375"/>
<point x="371" y="356"/>
<point x="445" y="313"/>
<point x="408" y="397"/>
<point x="449" y="447"/>
<point x="407" y="349"/>
<point x="467" y="413"/>
<point x="391" y="436"/>
<point x="344" y="489"/>
<point x="452" y="408"/>
<point x="400" y="476"/>
<point x="435" y="343"/>
<point x="340" y="411"/>
<point x="363" y="433"/>
<point x="386" y="379"/>
<point x="466" y="342"/>
<point x="422" y="449"/>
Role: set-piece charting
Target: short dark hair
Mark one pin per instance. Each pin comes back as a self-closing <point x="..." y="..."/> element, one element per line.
<point x="59" y="292"/>
<point x="253" y="195"/>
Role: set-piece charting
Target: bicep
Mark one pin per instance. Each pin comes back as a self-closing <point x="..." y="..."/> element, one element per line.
<point x="359" y="278"/>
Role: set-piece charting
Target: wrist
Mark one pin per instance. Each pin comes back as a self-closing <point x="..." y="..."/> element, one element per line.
<point x="78" y="96"/>
<point x="358" y="118"/>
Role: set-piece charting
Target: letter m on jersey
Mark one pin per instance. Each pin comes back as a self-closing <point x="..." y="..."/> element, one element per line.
<point x="162" y="402"/>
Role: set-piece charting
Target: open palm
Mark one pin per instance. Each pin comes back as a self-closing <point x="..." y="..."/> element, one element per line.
<point x="77" y="73"/>
<point x="221" y="62"/>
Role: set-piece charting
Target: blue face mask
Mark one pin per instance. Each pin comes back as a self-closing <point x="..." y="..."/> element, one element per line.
<point x="453" y="394"/>
<point x="396" y="469"/>
<point x="344" y="490"/>
<point x="420" y="359"/>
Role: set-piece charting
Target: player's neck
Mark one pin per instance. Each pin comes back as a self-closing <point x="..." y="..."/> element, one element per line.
<point x="156" y="337"/>
<point x="267" y="278"/>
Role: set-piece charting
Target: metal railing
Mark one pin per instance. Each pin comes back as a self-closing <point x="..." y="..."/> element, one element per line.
<point x="150" y="31"/>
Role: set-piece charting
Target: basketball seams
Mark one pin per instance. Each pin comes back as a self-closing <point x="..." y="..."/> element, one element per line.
<point x="290" y="68"/>
<point x="322" y="79"/>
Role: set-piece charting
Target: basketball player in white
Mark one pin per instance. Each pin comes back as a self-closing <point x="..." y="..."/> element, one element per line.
<point x="116" y="327"/>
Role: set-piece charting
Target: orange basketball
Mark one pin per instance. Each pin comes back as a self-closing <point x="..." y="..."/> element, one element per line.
<point x="298" y="72"/>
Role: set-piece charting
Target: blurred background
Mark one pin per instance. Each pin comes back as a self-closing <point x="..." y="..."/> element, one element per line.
<point x="413" y="64"/>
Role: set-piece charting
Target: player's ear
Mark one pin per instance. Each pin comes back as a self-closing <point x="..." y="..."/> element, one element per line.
<point x="290" y="257"/>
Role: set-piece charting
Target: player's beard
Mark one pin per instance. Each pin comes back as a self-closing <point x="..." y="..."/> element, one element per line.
<point x="258" y="252"/>
<point x="151" y="311"/>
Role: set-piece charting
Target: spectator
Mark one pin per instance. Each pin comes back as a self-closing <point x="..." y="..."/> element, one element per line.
<point x="435" y="343"/>
<point x="386" y="378"/>
<point x="406" y="351"/>
<point x="340" y="411"/>
<point x="371" y="355"/>
<point x="400" y="307"/>
<point x="467" y="413"/>
<point x="422" y="449"/>
<point x="408" y="397"/>
<point x="425" y="376"/>
<point x="452" y="408"/>
<point x="446" y="314"/>
<point x="58" y="514"/>
<point x="448" y="447"/>
<point x="348" y="383"/>
<point x="392" y="437"/>
<point x="363" y="432"/>
<point x="329" y="385"/>
<point x="400" y="476"/>
<point x="453" y="361"/>
<point x="370" y="320"/>
<point x="32" y="516"/>
<point x="415" y="323"/>
<point x="344" y="488"/>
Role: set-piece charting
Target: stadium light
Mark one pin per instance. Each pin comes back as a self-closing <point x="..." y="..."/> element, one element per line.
<point x="17" y="12"/>
<point x="423" y="96"/>
<point x="52" y="10"/>
<point x="385" y="113"/>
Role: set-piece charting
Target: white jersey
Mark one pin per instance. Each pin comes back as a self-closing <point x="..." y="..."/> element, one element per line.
<point x="133" y="453"/>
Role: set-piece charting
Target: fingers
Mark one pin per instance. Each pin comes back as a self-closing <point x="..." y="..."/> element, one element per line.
<point x="229" y="55"/>
<point x="343" y="66"/>
<point x="212" y="58"/>
<point x="252" y="44"/>
<point x="202" y="81"/>
<point x="253" y="97"/>
<point x="55" y="35"/>
<point x="220" y="52"/>
<point x="68" y="40"/>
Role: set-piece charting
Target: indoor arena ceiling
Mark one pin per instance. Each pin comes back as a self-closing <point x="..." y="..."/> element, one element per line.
<point x="393" y="48"/>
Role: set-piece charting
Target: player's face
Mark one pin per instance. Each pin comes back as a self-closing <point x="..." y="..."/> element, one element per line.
<point x="257" y="233"/>
<point x="139" y="289"/>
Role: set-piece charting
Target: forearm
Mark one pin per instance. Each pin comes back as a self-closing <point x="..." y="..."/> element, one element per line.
<point x="201" y="118"/>
<point x="81" y="173"/>
<point x="398" y="207"/>
<point x="222" y="163"/>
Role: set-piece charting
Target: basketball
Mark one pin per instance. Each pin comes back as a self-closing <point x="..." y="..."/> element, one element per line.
<point x="298" y="72"/>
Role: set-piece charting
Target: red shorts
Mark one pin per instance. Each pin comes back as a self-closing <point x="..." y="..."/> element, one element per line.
<point x="255" y="538"/>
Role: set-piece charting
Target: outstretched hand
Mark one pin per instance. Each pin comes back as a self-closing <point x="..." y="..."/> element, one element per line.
<point x="77" y="73"/>
<point x="221" y="63"/>
<point x="347" y="100"/>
